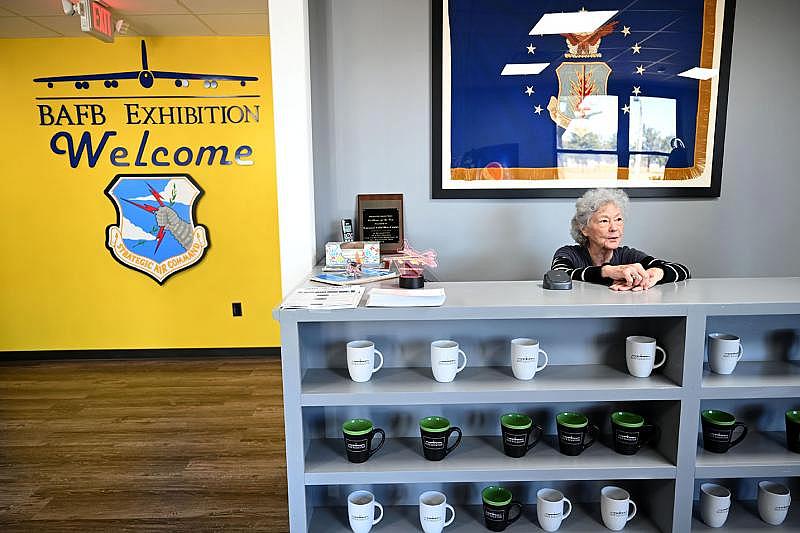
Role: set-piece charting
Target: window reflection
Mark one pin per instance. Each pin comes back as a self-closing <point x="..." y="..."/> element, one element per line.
<point x="653" y="126"/>
<point x="587" y="147"/>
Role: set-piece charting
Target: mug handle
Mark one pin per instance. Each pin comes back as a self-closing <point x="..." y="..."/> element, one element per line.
<point x="539" y="430"/>
<point x="653" y="434"/>
<point x="380" y="508"/>
<point x="741" y="437"/>
<point x="459" y="369"/>
<point x="519" y="512"/>
<point x="569" y="509"/>
<point x="456" y="443"/>
<point x="446" y="507"/>
<point x="592" y="432"/>
<point x="741" y="352"/>
<point x="383" y="439"/>
<point x="381" y="363"/>
<point x="631" y="515"/>
<point x="664" y="360"/>
<point x="546" y="360"/>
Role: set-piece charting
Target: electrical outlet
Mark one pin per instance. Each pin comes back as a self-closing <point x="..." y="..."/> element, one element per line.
<point x="237" y="308"/>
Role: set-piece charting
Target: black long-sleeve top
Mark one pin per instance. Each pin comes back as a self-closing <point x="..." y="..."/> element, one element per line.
<point x="575" y="260"/>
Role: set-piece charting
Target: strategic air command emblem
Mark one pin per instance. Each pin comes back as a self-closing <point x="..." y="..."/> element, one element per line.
<point x="155" y="231"/>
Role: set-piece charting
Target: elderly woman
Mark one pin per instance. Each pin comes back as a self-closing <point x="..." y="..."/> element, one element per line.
<point x="598" y="227"/>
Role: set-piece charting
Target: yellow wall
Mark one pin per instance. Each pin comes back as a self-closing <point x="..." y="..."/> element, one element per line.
<point x="61" y="288"/>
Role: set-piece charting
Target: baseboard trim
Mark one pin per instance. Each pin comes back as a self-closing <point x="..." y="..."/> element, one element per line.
<point x="144" y="353"/>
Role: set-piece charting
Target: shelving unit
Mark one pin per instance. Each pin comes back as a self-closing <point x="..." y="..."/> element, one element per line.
<point x="584" y="332"/>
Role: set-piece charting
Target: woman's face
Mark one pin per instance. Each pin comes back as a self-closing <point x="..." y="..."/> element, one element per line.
<point x="606" y="227"/>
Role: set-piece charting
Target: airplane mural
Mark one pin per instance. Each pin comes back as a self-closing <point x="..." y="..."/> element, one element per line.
<point x="145" y="76"/>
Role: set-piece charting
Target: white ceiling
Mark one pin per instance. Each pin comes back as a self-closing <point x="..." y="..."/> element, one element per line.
<point x="45" y="18"/>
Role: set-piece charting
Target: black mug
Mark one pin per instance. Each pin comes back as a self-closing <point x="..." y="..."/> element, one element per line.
<point x="630" y="432"/>
<point x="436" y="431"/>
<point x="497" y="508"/>
<point x="793" y="430"/>
<point x="358" y="434"/>
<point x="517" y="430"/>
<point x="718" y="428"/>
<point x="575" y="434"/>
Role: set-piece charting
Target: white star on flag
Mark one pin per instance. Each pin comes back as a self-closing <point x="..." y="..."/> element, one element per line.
<point x="529" y="90"/>
<point x="538" y="109"/>
<point x="531" y="48"/>
<point x="640" y="70"/>
<point x="636" y="90"/>
<point x="626" y="30"/>
<point x="636" y="48"/>
<point x="626" y="109"/>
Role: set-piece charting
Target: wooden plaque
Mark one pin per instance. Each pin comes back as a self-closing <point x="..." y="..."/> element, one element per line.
<point x="380" y="218"/>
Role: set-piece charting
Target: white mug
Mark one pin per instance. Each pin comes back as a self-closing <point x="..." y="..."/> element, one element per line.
<point x="616" y="507"/>
<point x="433" y="508"/>
<point x="724" y="351"/>
<point x="715" y="503"/>
<point x="525" y="358"/>
<point x="361" y="506"/>
<point x="361" y="360"/>
<point x="640" y="354"/>
<point x="444" y="360"/>
<point x="773" y="502"/>
<point x="550" y="504"/>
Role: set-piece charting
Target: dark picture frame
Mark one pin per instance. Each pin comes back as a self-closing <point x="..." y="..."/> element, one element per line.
<point x="380" y="218"/>
<point x="442" y="183"/>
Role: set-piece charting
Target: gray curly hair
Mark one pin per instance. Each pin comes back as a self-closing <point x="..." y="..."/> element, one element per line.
<point x="588" y="204"/>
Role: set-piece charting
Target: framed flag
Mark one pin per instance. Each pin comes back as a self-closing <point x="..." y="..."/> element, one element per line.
<point x="548" y="99"/>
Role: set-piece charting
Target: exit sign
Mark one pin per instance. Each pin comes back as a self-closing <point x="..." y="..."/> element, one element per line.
<point x="97" y="20"/>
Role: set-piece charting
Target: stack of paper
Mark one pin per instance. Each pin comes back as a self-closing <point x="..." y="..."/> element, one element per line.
<point x="405" y="297"/>
<point x="324" y="298"/>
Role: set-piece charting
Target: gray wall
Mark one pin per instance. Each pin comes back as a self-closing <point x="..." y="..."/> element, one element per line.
<point x="370" y="71"/>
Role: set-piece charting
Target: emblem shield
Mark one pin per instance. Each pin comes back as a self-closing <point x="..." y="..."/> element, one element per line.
<point x="579" y="83"/>
<point x="155" y="231"/>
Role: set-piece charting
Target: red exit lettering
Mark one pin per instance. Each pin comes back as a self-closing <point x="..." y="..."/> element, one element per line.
<point x="101" y="19"/>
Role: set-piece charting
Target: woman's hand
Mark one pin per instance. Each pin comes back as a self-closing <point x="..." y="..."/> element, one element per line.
<point x="651" y="277"/>
<point x="631" y="275"/>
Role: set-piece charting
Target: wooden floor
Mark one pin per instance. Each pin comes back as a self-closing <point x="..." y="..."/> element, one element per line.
<point x="142" y="445"/>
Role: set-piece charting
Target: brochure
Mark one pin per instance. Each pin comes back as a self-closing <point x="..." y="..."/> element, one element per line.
<point x="367" y="275"/>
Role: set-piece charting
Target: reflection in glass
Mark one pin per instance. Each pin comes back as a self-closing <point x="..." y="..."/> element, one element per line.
<point x="594" y="126"/>
<point x="577" y="165"/>
<point x="653" y="126"/>
<point x="587" y="147"/>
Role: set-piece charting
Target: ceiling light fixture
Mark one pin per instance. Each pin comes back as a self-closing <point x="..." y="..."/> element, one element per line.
<point x="572" y="22"/>
<point x="523" y="69"/>
<point x="699" y="73"/>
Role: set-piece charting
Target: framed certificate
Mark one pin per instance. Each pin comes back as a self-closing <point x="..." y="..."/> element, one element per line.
<point x="380" y="218"/>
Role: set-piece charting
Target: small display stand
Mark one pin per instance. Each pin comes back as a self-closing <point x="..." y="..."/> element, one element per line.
<point x="410" y="264"/>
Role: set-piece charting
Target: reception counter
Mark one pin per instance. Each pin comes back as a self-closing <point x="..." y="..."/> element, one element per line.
<point x="583" y="332"/>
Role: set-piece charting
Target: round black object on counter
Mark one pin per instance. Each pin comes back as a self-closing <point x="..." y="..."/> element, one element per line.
<point x="412" y="282"/>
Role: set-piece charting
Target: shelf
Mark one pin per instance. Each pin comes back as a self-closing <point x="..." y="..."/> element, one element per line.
<point x="478" y="459"/>
<point x="743" y="518"/>
<point x="754" y="379"/>
<point x="759" y="455"/>
<point x="415" y="385"/>
<point x="585" y="518"/>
